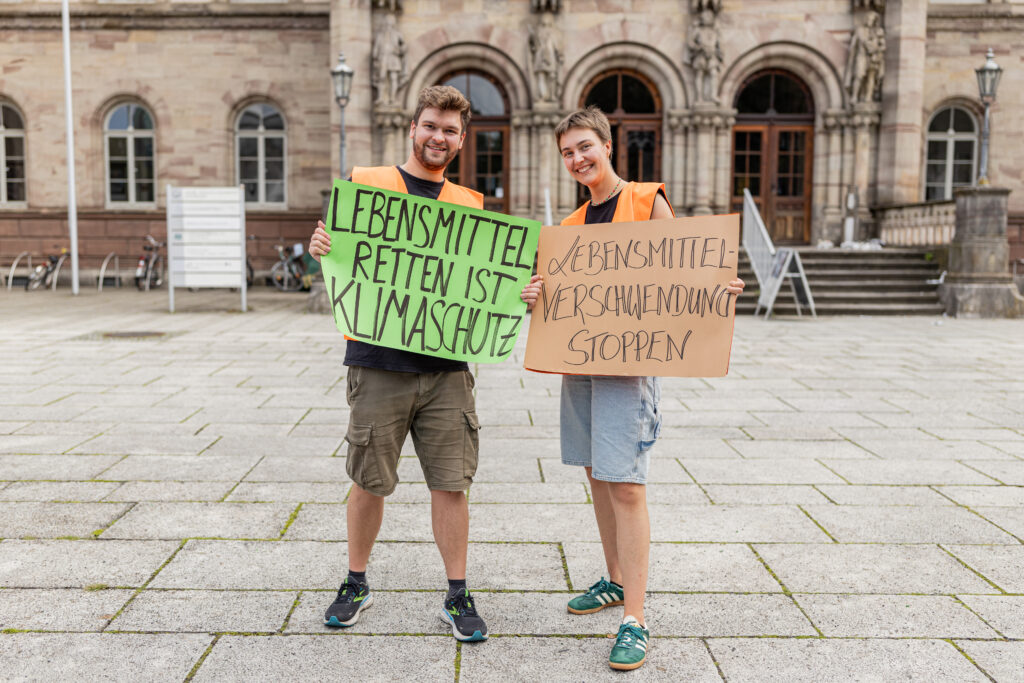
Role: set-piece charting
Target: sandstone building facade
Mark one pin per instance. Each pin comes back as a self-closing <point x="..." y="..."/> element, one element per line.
<point x="802" y="102"/>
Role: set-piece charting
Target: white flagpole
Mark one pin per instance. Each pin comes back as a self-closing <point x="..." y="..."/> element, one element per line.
<point x="72" y="208"/>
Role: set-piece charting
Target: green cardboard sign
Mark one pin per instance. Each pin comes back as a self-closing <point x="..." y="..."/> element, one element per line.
<point x="426" y="276"/>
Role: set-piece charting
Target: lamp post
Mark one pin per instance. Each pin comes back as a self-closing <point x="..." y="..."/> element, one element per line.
<point x="988" y="81"/>
<point x="341" y="77"/>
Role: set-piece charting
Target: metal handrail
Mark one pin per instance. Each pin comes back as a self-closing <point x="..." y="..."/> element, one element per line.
<point x="56" y="272"/>
<point x="103" y="271"/>
<point x="10" y="273"/>
<point x="756" y="240"/>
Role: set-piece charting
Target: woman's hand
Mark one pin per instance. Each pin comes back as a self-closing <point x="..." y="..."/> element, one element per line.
<point x="736" y="287"/>
<point x="320" y="242"/>
<point x="531" y="291"/>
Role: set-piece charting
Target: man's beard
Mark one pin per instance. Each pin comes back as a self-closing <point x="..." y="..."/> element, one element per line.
<point x="419" y="150"/>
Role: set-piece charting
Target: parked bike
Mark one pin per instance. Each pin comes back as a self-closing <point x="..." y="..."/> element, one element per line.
<point x="150" y="271"/>
<point x="43" y="274"/>
<point x="289" y="270"/>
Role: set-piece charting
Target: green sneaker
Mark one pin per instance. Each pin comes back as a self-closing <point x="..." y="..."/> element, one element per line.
<point x="602" y="594"/>
<point x="630" y="650"/>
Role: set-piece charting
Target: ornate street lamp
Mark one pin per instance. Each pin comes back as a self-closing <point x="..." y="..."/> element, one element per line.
<point x="341" y="76"/>
<point x="988" y="81"/>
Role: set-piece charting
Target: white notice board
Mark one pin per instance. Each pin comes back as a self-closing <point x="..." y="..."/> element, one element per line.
<point x="205" y="238"/>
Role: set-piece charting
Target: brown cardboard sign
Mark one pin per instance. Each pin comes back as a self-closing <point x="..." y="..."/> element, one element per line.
<point x="643" y="298"/>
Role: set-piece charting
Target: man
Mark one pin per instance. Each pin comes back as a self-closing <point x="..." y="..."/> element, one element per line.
<point x="392" y="392"/>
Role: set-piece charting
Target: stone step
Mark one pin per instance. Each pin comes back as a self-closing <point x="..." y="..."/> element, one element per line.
<point x="788" y="308"/>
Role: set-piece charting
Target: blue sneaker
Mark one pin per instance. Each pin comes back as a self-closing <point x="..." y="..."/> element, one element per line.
<point x="353" y="598"/>
<point x="459" y="611"/>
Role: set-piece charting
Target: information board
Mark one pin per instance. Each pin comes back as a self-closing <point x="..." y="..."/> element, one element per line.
<point x="205" y="238"/>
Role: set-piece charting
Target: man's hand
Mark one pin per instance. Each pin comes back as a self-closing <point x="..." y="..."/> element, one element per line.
<point x="320" y="242"/>
<point x="531" y="291"/>
<point x="736" y="287"/>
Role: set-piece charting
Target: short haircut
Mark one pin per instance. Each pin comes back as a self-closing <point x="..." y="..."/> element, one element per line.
<point x="445" y="98"/>
<point x="590" y="118"/>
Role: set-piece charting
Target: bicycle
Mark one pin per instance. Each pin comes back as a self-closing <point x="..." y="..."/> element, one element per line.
<point x="43" y="274"/>
<point x="289" y="270"/>
<point x="150" y="271"/>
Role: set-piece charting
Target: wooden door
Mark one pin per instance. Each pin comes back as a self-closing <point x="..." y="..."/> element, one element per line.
<point x="482" y="165"/>
<point x="774" y="163"/>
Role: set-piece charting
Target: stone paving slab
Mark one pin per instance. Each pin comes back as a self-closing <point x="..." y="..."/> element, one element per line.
<point x="1008" y="496"/>
<point x="136" y="491"/>
<point x="727" y="615"/>
<point x="68" y="609"/>
<point x="101" y="656"/>
<point x="276" y="445"/>
<point x="534" y="659"/>
<point x="199" y="468"/>
<point x="23" y="444"/>
<point x="206" y="611"/>
<point x="775" y="471"/>
<point x="67" y="564"/>
<point x="928" y="450"/>
<point x="763" y="494"/>
<point x="55" y="520"/>
<point x="1010" y="473"/>
<point x="131" y="444"/>
<point x="733" y="524"/>
<point x="1001" y="660"/>
<point x="889" y="524"/>
<point x="789" y="661"/>
<point x="678" y="567"/>
<point x="850" y="568"/>
<point x="58" y="491"/>
<point x="276" y="658"/>
<point x="999" y="564"/>
<point x="291" y="492"/>
<point x="1003" y="613"/>
<point x="893" y="616"/>
<point x="907" y="473"/>
<point x="877" y="494"/>
<point x="800" y="449"/>
<point x="240" y="565"/>
<point x="298" y="468"/>
<point x="202" y="520"/>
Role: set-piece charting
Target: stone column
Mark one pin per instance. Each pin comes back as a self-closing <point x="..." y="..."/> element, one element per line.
<point x="391" y="126"/>
<point x="351" y="33"/>
<point x="706" y="118"/>
<point x="899" y="162"/>
<point x="865" y="123"/>
<point x="979" y="284"/>
<point x="723" y="161"/>
<point x="522" y="202"/>
<point x="834" y="194"/>
<point x="676" y="167"/>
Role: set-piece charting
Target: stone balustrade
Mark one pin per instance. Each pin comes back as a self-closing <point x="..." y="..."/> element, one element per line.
<point x="917" y="225"/>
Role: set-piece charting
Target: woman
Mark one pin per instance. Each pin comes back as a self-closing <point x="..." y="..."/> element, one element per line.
<point x="609" y="424"/>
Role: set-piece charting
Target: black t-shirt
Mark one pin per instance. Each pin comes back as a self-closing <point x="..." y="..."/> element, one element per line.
<point x="603" y="213"/>
<point x="399" y="360"/>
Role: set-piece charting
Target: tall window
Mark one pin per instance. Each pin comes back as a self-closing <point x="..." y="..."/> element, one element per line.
<point x="483" y="162"/>
<point x="633" y="107"/>
<point x="12" y="155"/>
<point x="260" y="154"/>
<point x="952" y="153"/>
<point x="130" y="156"/>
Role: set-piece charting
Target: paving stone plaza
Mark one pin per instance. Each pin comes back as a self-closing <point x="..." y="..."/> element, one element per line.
<point x="848" y="504"/>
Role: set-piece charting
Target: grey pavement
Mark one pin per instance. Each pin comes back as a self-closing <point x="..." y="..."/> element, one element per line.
<point x="847" y="504"/>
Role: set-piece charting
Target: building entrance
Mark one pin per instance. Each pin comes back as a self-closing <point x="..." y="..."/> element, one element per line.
<point x="772" y="153"/>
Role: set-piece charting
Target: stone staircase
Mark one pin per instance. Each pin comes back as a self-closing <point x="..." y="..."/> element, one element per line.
<point x="885" y="282"/>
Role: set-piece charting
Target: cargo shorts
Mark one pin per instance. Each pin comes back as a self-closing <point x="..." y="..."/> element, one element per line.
<point x="437" y="408"/>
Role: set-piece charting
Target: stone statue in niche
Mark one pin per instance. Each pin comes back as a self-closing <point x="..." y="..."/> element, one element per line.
<point x="545" y="59"/>
<point x="389" y="68"/>
<point x="865" y="62"/>
<point x="706" y="55"/>
<point x="552" y="6"/>
<point x="389" y="5"/>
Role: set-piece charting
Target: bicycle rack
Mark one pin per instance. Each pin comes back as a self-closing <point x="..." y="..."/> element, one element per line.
<point x="10" y="273"/>
<point x="56" y="272"/>
<point x="103" y="271"/>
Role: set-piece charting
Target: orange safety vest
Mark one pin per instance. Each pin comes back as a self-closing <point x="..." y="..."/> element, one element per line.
<point x="390" y="178"/>
<point x="636" y="201"/>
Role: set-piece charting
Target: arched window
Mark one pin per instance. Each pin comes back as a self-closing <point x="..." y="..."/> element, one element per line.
<point x="260" y="145"/>
<point x="633" y="107"/>
<point x="772" y="152"/>
<point x="129" y="149"/>
<point x="952" y="152"/>
<point x="483" y="162"/>
<point x="12" y="155"/>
